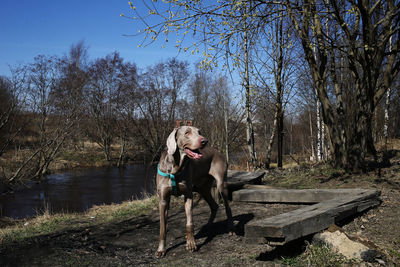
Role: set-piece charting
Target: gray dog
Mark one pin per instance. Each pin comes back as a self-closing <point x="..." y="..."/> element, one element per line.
<point x="189" y="165"/>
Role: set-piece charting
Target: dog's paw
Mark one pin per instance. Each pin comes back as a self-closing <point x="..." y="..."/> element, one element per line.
<point x="232" y="226"/>
<point x="160" y="253"/>
<point x="191" y="245"/>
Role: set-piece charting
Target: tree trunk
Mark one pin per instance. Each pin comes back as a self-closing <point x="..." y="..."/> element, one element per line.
<point x="226" y="128"/>
<point x="120" y="163"/>
<point x="386" y="123"/>
<point x="249" y="124"/>
<point x="319" y="138"/>
<point x="387" y="104"/>
<point x="279" y="80"/>
<point x="311" y="137"/>
<point x="318" y="70"/>
<point x="362" y="139"/>
<point x="280" y="139"/>
<point x="372" y="68"/>
<point x="107" y="148"/>
<point x="271" y="141"/>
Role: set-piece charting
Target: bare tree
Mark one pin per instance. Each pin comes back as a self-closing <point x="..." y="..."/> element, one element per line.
<point x="39" y="85"/>
<point x="246" y="84"/>
<point x="103" y="96"/>
<point x="225" y="117"/>
<point x="11" y="97"/>
<point x="199" y="90"/>
<point x="68" y="94"/>
<point x="154" y="103"/>
<point x="125" y="129"/>
<point x="223" y="126"/>
<point x="223" y="28"/>
<point x="362" y="38"/>
<point x="274" y="69"/>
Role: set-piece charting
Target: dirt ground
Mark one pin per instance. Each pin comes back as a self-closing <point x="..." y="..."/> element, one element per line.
<point x="133" y="242"/>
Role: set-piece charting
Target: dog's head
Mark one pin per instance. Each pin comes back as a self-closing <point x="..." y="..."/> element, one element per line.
<point x="187" y="140"/>
<point x="183" y="141"/>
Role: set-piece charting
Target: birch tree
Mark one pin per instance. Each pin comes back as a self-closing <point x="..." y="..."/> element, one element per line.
<point x="387" y="104"/>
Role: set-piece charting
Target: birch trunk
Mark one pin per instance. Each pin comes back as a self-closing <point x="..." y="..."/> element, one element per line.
<point x="319" y="143"/>
<point x="226" y="129"/>
<point x="311" y="137"/>
<point x="386" y="125"/>
<point x="387" y="104"/>
<point x="271" y="141"/>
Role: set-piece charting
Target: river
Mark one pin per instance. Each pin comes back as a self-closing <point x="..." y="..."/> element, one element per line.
<point x="78" y="190"/>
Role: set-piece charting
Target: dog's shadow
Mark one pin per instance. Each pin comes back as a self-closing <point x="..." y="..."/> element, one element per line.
<point x="210" y="231"/>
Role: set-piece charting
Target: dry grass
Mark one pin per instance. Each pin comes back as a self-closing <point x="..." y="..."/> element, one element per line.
<point x="392" y="144"/>
<point x="47" y="223"/>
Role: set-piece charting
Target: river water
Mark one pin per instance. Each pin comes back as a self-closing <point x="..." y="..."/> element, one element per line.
<point x="78" y="190"/>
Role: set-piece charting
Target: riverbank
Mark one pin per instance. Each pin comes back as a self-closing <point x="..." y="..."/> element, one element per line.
<point x="127" y="234"/>
<point x="15" y="231"/>
<point x="91" y="155"/>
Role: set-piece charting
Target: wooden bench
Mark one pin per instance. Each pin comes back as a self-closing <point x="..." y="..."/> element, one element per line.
<point x="333" y="205"/>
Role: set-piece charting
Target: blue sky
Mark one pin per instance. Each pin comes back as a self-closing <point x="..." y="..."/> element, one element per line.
<point x="50" y="27"/>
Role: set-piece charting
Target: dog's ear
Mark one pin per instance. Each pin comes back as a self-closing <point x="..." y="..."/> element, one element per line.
<point x="171" y="142"/>
<point x="168" y="163"/>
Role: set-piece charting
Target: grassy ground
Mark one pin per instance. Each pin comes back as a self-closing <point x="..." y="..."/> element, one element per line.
<point x="14" y="231"/>
<point x="126" y="234"/>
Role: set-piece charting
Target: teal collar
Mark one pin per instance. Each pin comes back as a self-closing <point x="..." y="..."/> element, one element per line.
<point x="170" y="176"/>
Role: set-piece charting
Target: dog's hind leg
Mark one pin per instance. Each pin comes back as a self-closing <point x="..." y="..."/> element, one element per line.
<point x="205" y="192"/>
<point x="223" y="191"/>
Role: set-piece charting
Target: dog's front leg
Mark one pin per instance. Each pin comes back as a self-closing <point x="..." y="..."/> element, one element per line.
<point x="163" y="207"/>
<point x="190" y="242"/>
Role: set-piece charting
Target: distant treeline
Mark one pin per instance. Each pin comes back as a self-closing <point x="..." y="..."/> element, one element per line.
<point x="58" y="103"/>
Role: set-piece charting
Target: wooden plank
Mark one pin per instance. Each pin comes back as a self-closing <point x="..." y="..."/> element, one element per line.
<point x="280" y="229"/>
<point x="336" y="205"/>
<point x="290" y="195"/>
<point x="259" y="186"/>
<point x="237" y="178"/>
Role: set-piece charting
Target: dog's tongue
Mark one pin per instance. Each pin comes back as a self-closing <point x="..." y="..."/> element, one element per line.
<point x="193" y="154"/>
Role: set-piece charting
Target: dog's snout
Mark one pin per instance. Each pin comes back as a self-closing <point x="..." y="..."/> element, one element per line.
<point x="203" y="142"/>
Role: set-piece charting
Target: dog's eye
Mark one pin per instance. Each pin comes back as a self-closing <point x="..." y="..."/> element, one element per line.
<point x="187" y="133"/>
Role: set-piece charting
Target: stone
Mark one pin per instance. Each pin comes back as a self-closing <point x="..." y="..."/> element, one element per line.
<point x="340" y="242"/>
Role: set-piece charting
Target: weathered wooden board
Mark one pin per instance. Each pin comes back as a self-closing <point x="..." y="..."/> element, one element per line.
<point x="280" y="229"/>
<point x="237" y="178"/>
<point x="291" y="196"/>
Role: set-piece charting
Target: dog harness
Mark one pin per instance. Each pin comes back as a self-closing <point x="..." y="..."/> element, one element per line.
<point x="173" y="181"/>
